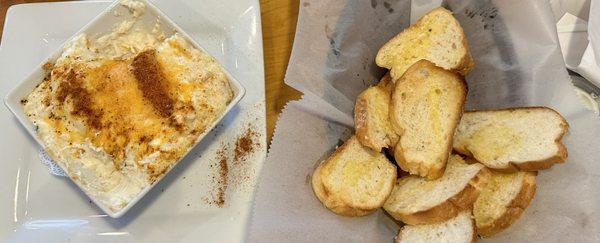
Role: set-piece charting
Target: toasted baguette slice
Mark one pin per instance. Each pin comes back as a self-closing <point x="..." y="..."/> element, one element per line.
<point x="331" y="203"/>
<point x="460" y="229"/>
<point x="502" y="201"/>
<point x="354" y="180"/>
<point x="386" y="83"/>
<point x="426" y="107"/>
<point x="371" y="119"/>
<point x="416" y="200"/>
<point x="513" y="139"/>
<point x="437" y="37"/>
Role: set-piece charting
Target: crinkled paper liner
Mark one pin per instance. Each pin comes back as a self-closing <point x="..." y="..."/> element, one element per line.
<point x="518" y="63"/>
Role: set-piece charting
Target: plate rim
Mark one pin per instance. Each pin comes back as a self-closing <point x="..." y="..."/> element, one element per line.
<point x="11" y="100"/>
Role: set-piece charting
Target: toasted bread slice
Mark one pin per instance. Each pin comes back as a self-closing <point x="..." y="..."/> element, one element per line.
<point x="416" y="200"/>
<point x="354" y="180"/>
<point x="426" y="107"/>
<point x="436" y="37"/>
<point x="371" y="119"/>
<point x="509" y="140"/>
<point x="460" y="229"/>
<point x="338" y="208"/>
<point x="386" y="83"/>
<point x="502" y="201"/>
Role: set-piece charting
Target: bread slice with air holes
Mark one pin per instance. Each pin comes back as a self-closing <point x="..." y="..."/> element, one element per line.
<point x="354" y="180"/>
<point x="460" y="229"/>
<point x="502" y="201"/>
<point x="426" y="107"/>
<point x="527" y="138"/>
<point x="436" y="37"/>
<point x="416" y="200"/>
<point x="371" y="119"/>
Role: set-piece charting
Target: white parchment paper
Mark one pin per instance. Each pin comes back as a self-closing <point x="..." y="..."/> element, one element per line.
<point x="518" y="63"/>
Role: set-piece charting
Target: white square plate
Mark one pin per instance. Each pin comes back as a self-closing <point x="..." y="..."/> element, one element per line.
<point x="102" y="24"/>
<point x="35" y="205"/>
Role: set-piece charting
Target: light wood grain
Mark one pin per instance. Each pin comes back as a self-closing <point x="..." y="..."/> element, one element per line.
<point x="278" y="28"/>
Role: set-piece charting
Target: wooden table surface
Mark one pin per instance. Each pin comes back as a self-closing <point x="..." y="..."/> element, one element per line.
<point x="278" y="28"/>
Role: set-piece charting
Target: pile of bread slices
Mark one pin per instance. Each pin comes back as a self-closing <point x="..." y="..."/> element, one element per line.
<point x="460" y="173"/>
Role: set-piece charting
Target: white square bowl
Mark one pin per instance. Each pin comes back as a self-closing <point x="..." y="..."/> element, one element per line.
<point x="104" y="23"/>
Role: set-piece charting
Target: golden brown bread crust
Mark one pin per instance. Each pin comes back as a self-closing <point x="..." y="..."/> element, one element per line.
<point x="388" y="86"/>
<point x="335" y="206"/>
<point x="451" y="207"/>
<point x="431" y="173"/>
<point x="361" y="125"/>
<point x="361" y="121"/>
<point x="473" y="238"/>
<point x="514" y="209"/>
<point x="418" y="167"/>
<point x="386" y="83"/>
<point x="535" y="165"/>
<point x="464" y="66"/>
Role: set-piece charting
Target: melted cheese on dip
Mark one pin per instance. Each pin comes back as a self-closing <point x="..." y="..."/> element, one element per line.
<point x="118" y="111"/>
